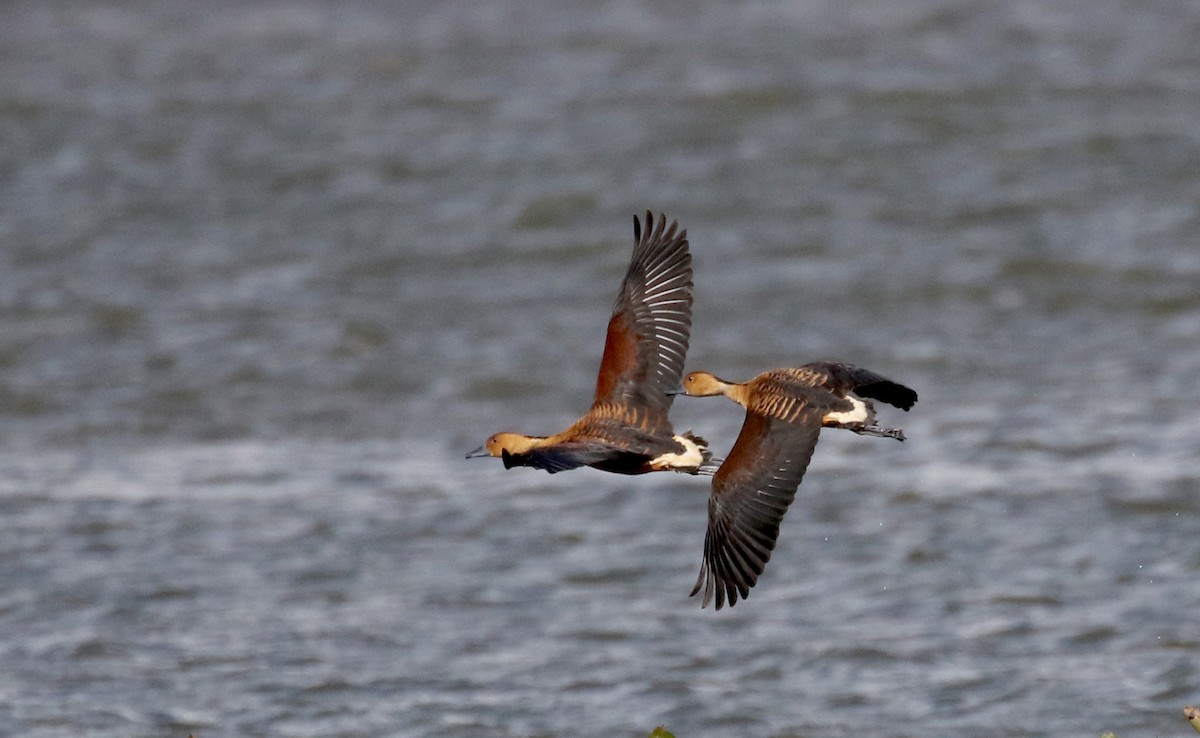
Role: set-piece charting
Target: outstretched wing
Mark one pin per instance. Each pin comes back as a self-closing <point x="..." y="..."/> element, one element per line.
<point x="750" y="494"/>
<point x="651" y="324"/>
<point x="559" y="458"/>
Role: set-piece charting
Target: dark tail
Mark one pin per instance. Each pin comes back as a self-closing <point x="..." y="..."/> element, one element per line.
<point x="885" y="390"/>
<point x="844" y="378"/>
<point x="865" y="383"/>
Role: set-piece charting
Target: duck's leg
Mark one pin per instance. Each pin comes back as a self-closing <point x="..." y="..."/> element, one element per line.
<point x="874" y="430"/>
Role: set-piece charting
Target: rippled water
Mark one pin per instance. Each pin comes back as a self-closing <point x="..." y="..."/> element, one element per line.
<point x="269" y="270"/>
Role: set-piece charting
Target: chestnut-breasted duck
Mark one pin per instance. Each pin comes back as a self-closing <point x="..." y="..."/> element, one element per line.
<point x="785" y="411"/>
<point x="626" y="430"/>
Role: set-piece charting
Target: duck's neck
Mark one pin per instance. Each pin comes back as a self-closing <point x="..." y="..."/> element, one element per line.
<point x="736" y="392"/>
<point x="522" y="444"/>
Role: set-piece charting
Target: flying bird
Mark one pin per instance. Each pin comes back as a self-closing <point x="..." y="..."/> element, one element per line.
<point x="626" y="429"/>
<point x="785" y="412"/>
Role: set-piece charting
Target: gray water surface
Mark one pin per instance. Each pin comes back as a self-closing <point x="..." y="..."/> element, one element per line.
<point x="268" y="270"/>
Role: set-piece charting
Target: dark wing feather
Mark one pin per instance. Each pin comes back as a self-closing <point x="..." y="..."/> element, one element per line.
<point x="843" y="378"/>
<point x="556" y="458"/>
<point x="750" y="494"/>
<point x="650" y="326"/>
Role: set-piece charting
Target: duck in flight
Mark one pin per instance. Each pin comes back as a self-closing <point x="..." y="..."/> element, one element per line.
<point x="626" y="430"/>
<point x="785" y="411"/>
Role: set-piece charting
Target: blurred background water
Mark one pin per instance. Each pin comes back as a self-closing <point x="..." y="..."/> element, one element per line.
<point x="267" y="270"/>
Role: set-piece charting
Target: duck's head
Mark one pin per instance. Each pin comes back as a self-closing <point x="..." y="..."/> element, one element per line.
<point x="498" y="443"/>
<point x="702" y="384"/>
